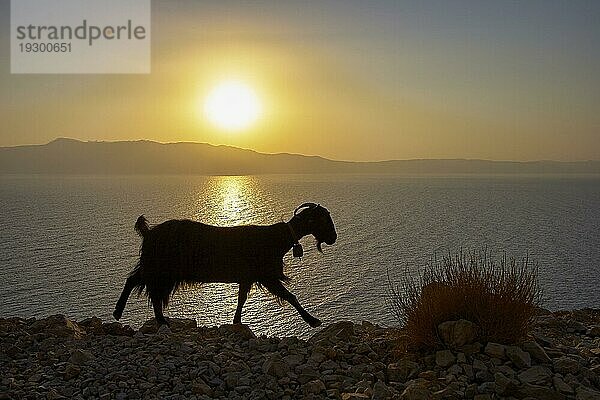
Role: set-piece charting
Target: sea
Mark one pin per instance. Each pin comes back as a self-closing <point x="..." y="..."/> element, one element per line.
<point x="67" y="243"/>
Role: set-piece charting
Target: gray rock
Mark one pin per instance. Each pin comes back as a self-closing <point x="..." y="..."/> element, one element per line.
<point x="561" y="386"/>
<point x="468" y="369"/>
<point x="294" y="360"/>
<point x="80" y="357"/>
<point x="537" y="392"/>
<point x="329" y="365"/>
<point x="317" y="358"/>
<point x="402" y="370"/>
<point x="471" y="391"/>
<point x="238" y="331"/>
<point x="449" y="391"/>
<point x="473" y="348"/>
<point x="504" y="385"/>
<point x="495" y="350"/>
<point x="313" y="387"/>
<point x="487" y="387"/>
<point x="163" y="330"/>
<point x="484" y="376"/>
<point x="520" y="358"/>
<point x="455" y="370"/>
<point x="594" y="331"/>
<point x="416" y="391"/>
<point x="200" y="388"/>
<point x="506" y="370"/>
<point x="381" y="391"/>
<point x="479" y="365"/>
<point x="334" y="333"/>
<point x="54" y="395"/>
<point x="565" y="365"/>
<point x="444" y="358"/>
<point x="456" y="334"/>
<point x="354" y="396"/>
<point x="58" y="325"/>
<point x="363" y="348"/>
<point x="583" y="393"/>
<point x="71" y="371"/>
<point x="575" y="327"/>
<point x="275" y="366"/>
<point x="537" y="374"/>
<point x="536" y="351"/>
<point x="429" y="375"/>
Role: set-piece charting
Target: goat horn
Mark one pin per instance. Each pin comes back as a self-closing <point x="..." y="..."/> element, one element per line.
<point x="305" y="205"/>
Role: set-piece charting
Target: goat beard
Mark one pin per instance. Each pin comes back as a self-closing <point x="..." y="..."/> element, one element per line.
<point x="319" y="246"/>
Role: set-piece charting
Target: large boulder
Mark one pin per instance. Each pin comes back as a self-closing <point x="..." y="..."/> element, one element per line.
<point x="57" y="325"/>
<point x="117" y="329"/>
<point x="456" y="334"/>
<point x="337" y="332"/>
<point x="92" y="325"/>
<point x="444" y="358"/>
<point x="237" y="331"/>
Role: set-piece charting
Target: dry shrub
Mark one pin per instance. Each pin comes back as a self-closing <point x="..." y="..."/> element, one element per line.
<point x="500" y="297"/>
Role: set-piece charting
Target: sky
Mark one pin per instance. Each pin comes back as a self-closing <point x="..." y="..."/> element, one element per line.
<point x="348" y="80"/>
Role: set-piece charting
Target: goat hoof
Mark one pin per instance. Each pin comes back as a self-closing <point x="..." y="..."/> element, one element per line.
<point x="314" y="323"/>
<point x="117" y="315"/>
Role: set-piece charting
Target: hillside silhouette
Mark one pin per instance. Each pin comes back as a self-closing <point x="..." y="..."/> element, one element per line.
<point x="70" y="156"/>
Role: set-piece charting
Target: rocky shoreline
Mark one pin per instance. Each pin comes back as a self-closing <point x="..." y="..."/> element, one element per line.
<point x="54" y="358"/>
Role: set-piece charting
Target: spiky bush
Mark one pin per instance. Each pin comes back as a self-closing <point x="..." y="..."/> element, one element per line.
<point x="500" y="297"/>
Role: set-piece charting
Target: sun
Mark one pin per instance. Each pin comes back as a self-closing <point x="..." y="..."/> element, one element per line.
<point x="232" y="106"/>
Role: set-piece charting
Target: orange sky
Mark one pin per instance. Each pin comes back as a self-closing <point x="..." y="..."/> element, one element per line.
<point x="343" y="80"/>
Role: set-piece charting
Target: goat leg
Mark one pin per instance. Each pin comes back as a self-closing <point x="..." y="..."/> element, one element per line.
<point x="158" y="314"/>
<point x="277" y="288"/>
<point x="130" y="283"/>
<point x="242" y="297"/>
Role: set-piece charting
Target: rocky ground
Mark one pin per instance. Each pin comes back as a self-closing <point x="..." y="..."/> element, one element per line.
<point x="55" y="358"/>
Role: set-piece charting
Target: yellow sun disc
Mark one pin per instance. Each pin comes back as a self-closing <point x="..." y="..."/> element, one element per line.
<point x="232" y="106"/>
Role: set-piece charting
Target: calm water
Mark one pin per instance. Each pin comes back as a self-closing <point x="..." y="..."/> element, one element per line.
<point x="66" y="243"/>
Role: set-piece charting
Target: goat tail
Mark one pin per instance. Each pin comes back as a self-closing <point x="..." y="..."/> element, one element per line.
<point x="141" y="226"/>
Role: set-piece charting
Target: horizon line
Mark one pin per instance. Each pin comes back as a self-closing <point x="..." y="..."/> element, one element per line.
<point x="292" y="154"/>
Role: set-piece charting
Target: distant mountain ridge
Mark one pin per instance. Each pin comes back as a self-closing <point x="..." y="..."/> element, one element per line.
<point x="71" y="156"/>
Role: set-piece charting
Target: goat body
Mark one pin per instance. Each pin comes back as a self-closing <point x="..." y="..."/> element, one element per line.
<point x="178" y="253"/>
